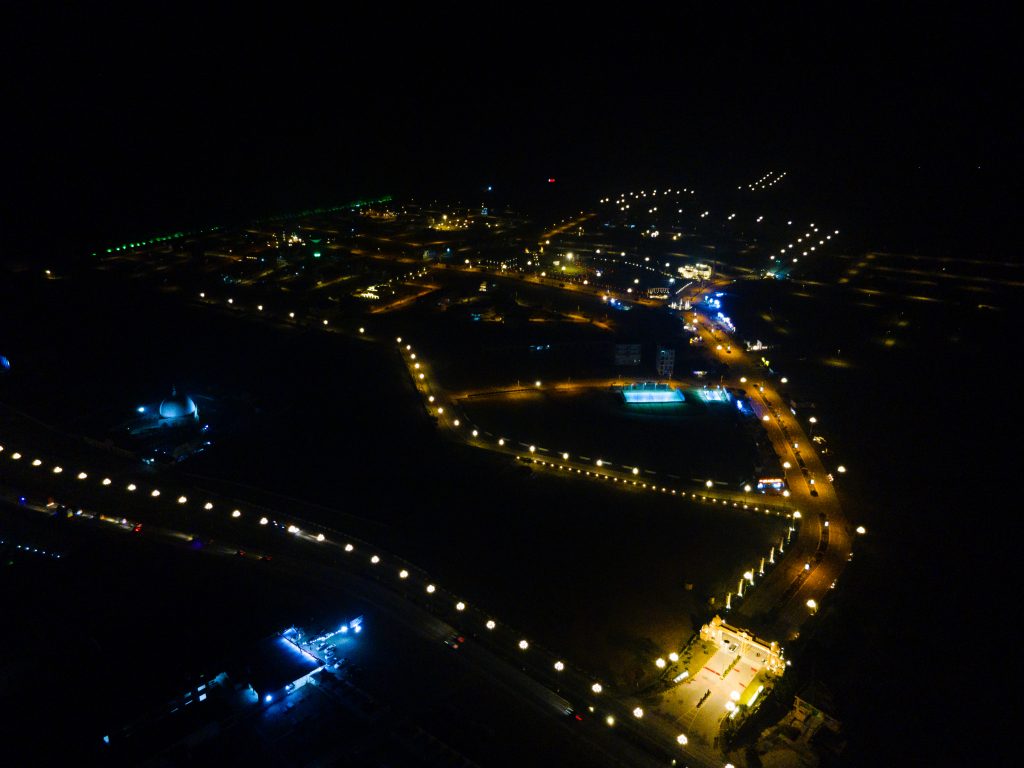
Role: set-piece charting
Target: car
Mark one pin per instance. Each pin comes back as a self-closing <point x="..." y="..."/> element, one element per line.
<point x="454" y="640"/>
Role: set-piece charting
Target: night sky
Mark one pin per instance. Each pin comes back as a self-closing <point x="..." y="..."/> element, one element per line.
<point x="120" y="126"/>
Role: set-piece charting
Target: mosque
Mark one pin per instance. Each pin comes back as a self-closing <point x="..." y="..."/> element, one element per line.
<point x="168" y="431"/>
<point x="174" y="411"/>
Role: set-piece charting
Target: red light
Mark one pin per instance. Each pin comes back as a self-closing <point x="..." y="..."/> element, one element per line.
<point x="578" y="717"/>
<point x="462" y="639"/>
<point x="551" y="181"/>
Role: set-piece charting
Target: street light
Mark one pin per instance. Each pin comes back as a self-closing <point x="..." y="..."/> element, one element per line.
<point x="841" y="469"/>
<point x="682" y="740"/>
<point x="746" y="488"/>
<point x="523" y="645"/>
<point x="182" y="500"/>
<point x="403" y="574"/>
<point x="375" y="559"/>
<point x="431" y="589"/>
<point x="490" y="624"/>
<point x="263" y="521"/>
<point x="559" y="666"/>
<point x="709" y="484"/>
<point x="673" y="657"/>
<point x="636" y="470"/>
<point x="596" y="688"/>
<point x="565" y="457"/>
<point x="320" y="537"/>
<point x="460" y="606"/>
<point x="659" y="663"/>
<point x="638" y="713"/>
<point x="861" y="529"/>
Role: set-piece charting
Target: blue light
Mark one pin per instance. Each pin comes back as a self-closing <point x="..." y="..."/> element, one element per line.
<point x="141" y="409"/>
<point x="344" y="629"/>
<point x="358" y="628"/>
<point x="5" y="363"/>
<point x="268" y="698"/>
<point x="489" y="188"/>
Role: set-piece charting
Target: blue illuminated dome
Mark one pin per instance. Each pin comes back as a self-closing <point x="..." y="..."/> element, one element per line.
<point x="178" y="407"/>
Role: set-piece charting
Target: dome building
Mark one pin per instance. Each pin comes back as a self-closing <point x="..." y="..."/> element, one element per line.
<point x="177" y="409"/>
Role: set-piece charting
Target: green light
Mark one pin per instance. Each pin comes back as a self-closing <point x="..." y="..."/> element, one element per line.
<point x="316" y="254"/>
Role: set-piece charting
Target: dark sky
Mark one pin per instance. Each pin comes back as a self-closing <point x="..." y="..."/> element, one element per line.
<point x="126" y="125"/>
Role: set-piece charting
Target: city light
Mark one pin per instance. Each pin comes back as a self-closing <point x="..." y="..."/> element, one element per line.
<point x="154" y="493"/>
<point x="861" y="529"/>
<point x="403" y="574"/>
<point x="131" y="486"/>
<point x="596" y="688"/>
<point x="682" y="740"/>
<point x="349" y="547"/>
<point x="182" y="500"/>
<point x="841" y="469"/>
<point x="431" y="589"/>
<point x="375" y="559"/>
<point x="82" y="475"/>
<point x="320" y="537"/>
<point x="490" y="624"/>
<point x="236" y="513"/>
<point x="659" y="663"/>
<point x="638" y="713"/>
<point x="264" y="521"/>
<point x="673" y="657"/>
<point x="610" y="720"/>
<point x="559" y="666"/>
<point x="523" y="645"/>
<point x="460" y="606"/>
<point x="57" y="470"/>
<point x="106" y="481"/>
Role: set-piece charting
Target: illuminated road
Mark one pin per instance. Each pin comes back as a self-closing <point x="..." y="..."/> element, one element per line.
<point x="783" y="594"/>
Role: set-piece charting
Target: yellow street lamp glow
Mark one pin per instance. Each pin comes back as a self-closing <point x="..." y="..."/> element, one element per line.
<point x="456" y="422"/>
<point x="293" y="529"/>
<point x="430" y="399"/>
<point x="596" y="688"/>
<point x="659" y="663"/>
<point x="523" y="645"/>
<point x="785" y="494"/>
<point x="537" y="383"/>
<point x="422" y="376"/>
<point x="37" y="462"/>
<point x="784" y="380"/>
<point x="731" y="706"/>
<point x="746" y="488"/>
<point x="236" y="513"/>
<point x="15" y="455"/>
<point x="610" y="720"/>
<point x="403" y="574"/>
<point x="57" y="470"/>
<point x="841" y="469"/>
<point x="375" y="559"/>
<point x="682" y="740"/>
<point x="638" y="713"/>
<point x="431" y="589"/>
<point x="709" y="484"/>
<point x="82" y="475"/>
<point x="362" y="330"/>
<point x="797" y="515"/>
<point x="812" y="604"/>
<point x="673" y="657"/>
<point x="501" y="441"/>
<point x="259" y="307"/>
<point x="559" y="666"/>
<point x="399" y="339"/>
<point x="813" y="420"/>
<point x="636" y="470"/>
<point x="565" y="457"/>
<point x="743" y="379"/>
<point x="182" y="500"/>
<point x="106" y="481"/>
<point x="208" y="506"/>
<point x="749" y="576"/>
<point x="320" y="537"/>
<point x="154" y="493"/>
<point x="735" y="695"/>
<point x="861" y="529"/>
<point x="765" y="418"/>
<point x="533" y="449"/>
<point x="490" y="624"/>
<point x="349" y="547"/>
<point x="131" y="486"/>
<point x="291" y="315"/>
<point x="475" y="433"/>
<point x="786" y="465"/>
<point x="600" y="463"/>
<point x="460" y="606"/>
